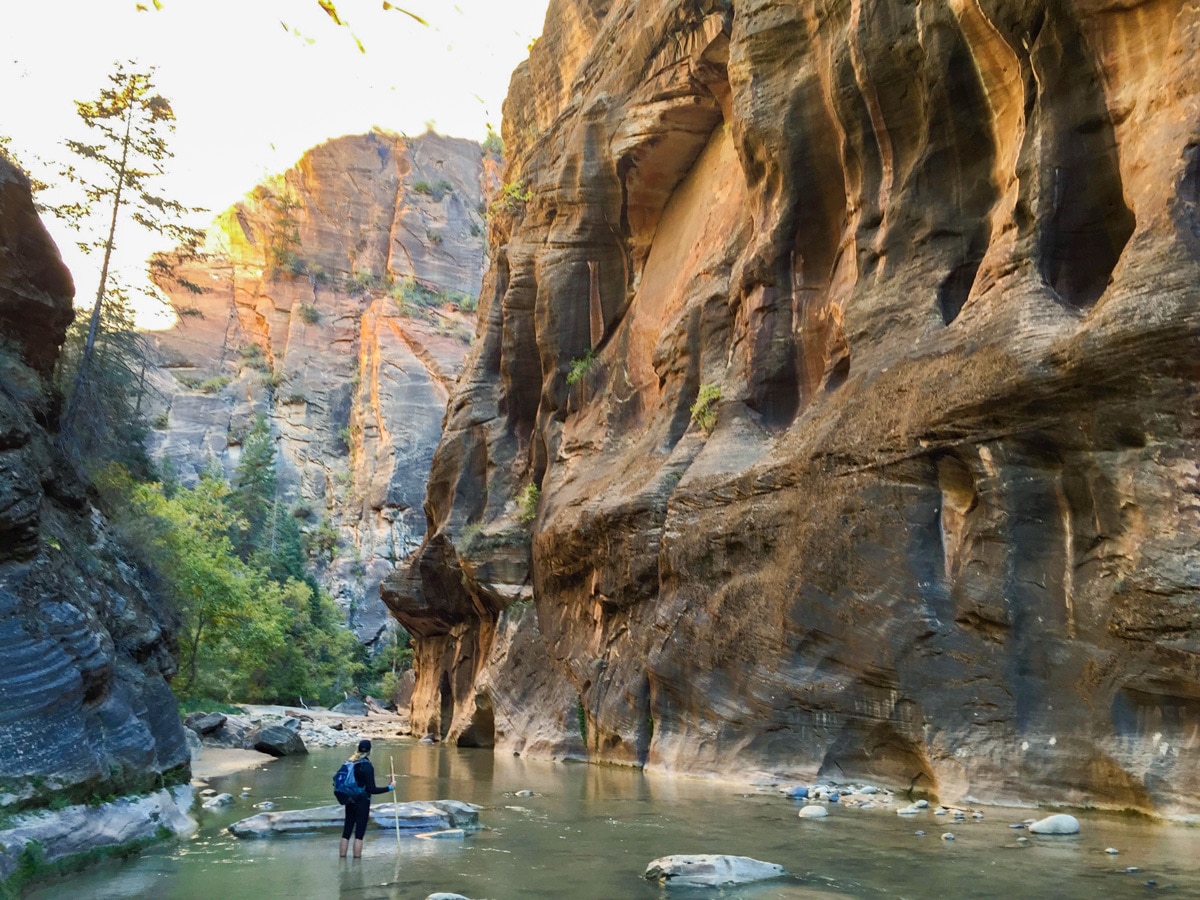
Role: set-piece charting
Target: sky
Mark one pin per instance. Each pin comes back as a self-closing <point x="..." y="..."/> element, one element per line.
<point x="254" y="83"/>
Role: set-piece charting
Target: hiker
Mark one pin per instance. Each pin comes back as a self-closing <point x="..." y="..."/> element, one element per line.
<point x="358" y="807"/>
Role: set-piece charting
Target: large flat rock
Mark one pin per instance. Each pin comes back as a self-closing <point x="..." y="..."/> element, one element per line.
<point x="414" y="817"/>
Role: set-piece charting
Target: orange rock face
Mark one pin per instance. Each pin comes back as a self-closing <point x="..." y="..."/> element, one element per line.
<point x="336" y="303"/>
<point x="853" y="351"/>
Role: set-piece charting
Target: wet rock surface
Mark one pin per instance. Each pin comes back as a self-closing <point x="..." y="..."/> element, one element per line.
<point x="709" y="870"/>
<point x="414" y="817"/>
<point x="931" y="273"/>
<point x="85" y="648"/>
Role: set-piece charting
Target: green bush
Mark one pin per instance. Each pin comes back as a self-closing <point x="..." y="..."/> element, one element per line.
<point x="160" y="421"/>
<point x="213" y="385"/>
<point x="309" y="314"/>
<point x="704" y="410"/>
<point x="580" y="367"/>
<point x="493" y="143"/>
<point x="511" y="199"/>
<point x="437" y="190"/>
<point x="527" y="502"/>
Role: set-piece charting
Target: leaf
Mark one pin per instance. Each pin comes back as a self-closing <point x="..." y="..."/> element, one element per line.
<point x="411" y="15"/>
<point x="330" y="10"/>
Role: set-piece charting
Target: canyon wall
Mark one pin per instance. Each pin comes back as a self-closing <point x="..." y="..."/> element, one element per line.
<point x="834" y="409"/>
<point x="336" y="303"/>
<point x="85" y="649"/>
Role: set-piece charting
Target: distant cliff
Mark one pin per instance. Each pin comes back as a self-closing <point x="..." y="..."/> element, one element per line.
<point x="85" y="649"/>
<point x="835" y="403"/>
<point x="337" y="302"/>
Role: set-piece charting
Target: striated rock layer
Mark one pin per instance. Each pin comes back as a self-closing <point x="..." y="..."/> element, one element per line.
<point x="85" y="650"/>
<point x="332" y="306"/>
<point x="929" y="273"/>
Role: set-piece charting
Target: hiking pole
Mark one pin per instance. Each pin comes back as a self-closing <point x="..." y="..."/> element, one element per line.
<point x="395" y="806"/>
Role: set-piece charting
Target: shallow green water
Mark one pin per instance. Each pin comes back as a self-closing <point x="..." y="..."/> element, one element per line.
<point x="590" y="831"/>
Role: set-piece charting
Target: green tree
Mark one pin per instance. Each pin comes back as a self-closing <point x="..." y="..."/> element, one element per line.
<point x="254" y="488"/>
<point x="115" y="173"/>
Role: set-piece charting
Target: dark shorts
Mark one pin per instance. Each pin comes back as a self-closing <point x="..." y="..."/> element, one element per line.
<point x="358" y="812"/>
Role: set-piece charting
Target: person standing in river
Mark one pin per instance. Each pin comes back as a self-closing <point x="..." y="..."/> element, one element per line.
<point x="358" y="810"/>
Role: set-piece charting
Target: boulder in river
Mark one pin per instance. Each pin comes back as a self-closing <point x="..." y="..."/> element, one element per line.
<point x="415" y="817"/>
<point x="219" y="801"/>
<point x="710" y="870"/>
<point x="812" y="811"/>
<point x="278" y="740"/>
<point x="205" y="723"/>
<point x="1059" y="824"/>
<point x="351" y="706"/>
<point x="234" y="734"/>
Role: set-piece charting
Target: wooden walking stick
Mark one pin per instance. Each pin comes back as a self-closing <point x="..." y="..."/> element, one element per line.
<point x="395" y="806"/>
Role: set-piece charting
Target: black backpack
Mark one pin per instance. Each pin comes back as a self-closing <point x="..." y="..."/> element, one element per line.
<point x="345" y="783"/>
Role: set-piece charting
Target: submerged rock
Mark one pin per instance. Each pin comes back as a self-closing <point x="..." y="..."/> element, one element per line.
<point x="706" y="870"/>
<point x="1059" y="824"/>
<point x="414" y="817"/>
<point x="219" y="801"/>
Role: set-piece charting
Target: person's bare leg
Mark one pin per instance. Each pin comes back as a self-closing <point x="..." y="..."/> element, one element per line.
<point x="343" y="847"/>
<point x="357" y="849"/>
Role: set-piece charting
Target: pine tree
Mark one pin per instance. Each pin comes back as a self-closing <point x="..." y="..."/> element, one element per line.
<point x="131" y="123"/>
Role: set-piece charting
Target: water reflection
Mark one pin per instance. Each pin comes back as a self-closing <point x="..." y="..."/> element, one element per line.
<point x="588" y="832"/>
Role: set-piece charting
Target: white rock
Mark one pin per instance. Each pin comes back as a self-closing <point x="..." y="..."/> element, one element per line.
<point x="1111" y="851"/>
<point x="708" y="870"/>
<point x="867" y="789"/>
<point x="813" y="812"/>
<point x="1059" y="824"/>
<point x="940" y="811"/>
<point x="443" y="896"/>
<point x="908" y="810"/>
<point x="948" y="836"/>
<point x="218" y="801"/>
<point x="523" y="794"/>
<point x="922" y="804"/>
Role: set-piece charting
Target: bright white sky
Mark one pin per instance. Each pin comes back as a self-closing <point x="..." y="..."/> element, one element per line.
<point x="250" y="97"/>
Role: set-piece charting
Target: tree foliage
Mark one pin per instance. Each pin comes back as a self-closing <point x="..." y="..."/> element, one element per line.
<point x="114" y="174"/>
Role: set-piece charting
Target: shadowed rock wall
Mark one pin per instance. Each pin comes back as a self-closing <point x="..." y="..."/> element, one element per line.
<point x="331" y="306"/>
<point x="85" y="650"/>
<point x="941" y="263"/>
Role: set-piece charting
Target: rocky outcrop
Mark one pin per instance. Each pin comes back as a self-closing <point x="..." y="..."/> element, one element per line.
<point x="337" y="302"/>
<point x="40" y="844"/>
<point x="851" y="357"/>
<point x="85" y="649"/>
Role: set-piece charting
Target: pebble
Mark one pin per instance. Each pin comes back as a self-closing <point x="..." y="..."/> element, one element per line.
<point x="208" y="792"/>
<point x="908" y="811"/>
<point x="940" y="811"/>
<point x="922" y="804"/>
<point x="799" y="792"/>
<point x="868" y="789"/>
<point x="1111" y="851"/>
<point x="977" y="815"/>
<point x="833" y="798"/>
<point x="1022" y="840"/>
<point x="948" y="836"/>
<point x="525" y="793"/>
<point x="1017" y="825"/>
<point x="919" y="833"/>
<point x="1129" y="870"/>
<point x="813" y="812"/>
<point x="244" y="794"/>
<point x="265" y="805"/>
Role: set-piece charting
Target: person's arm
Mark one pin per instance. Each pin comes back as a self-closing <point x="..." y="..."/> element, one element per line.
<point x="367" y="779"/>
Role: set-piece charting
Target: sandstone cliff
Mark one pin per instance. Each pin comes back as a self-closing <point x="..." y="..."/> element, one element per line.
<point x="85" y="650"/>
<point x="333" y="304"/>
<point x="852" y="352"/>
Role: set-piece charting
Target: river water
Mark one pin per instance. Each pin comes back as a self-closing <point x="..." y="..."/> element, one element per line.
<point x="590" y="831"/>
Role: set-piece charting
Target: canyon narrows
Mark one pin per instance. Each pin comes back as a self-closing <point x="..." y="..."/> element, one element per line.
<point x="833" y="408"/>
